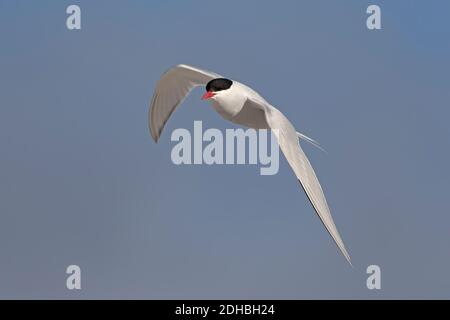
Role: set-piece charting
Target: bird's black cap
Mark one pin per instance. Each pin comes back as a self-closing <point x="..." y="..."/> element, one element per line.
<point x="218" y="84"/>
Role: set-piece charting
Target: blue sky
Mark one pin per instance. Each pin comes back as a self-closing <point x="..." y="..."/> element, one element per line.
<point x="83" y="183"/>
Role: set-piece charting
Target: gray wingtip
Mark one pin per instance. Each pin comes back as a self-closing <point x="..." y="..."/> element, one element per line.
<point x="154" y="136"/>
<point x="340" y="245"/>
<point x="347" y="257"/>
<point x="153" y="133"/>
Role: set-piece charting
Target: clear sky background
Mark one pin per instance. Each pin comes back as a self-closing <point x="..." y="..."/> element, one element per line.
<point x="82" y="182"/>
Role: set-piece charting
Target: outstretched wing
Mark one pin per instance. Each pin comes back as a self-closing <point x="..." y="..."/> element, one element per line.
<point x="289" y="144"/>
<point x="171" y="89"/>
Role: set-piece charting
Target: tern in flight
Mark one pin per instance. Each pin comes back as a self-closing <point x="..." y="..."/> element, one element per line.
<point x="242" y="105"/>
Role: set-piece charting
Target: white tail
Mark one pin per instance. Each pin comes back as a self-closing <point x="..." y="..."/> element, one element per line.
<point x="310" y="140"/>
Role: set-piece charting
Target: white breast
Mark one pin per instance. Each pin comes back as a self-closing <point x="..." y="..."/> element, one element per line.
<point x="229" y="103"/>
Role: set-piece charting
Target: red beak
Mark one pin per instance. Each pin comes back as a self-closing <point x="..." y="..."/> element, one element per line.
<point x="207" y="95"/>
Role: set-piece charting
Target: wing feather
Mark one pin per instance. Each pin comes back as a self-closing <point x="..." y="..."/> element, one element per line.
<point x="290" y="146"/>
<point x="171" y="89"/>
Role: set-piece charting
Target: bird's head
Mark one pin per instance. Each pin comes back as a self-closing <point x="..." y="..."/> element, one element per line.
<point x="216" y="87"/>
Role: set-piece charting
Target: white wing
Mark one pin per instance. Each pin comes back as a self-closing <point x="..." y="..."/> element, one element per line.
<point x="289" y="144"/>
<point x="171" y="90"/>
